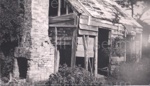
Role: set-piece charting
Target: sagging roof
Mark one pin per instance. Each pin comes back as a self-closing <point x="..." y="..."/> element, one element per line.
<point x="105" y="10"/>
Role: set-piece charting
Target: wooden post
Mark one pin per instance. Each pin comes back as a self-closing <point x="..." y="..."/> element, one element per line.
<point x="110" y="43"/>
<point x="67" y="9"/>
<point x="57" y="61"/>
<point x="95" y="56"/>
<point x="55" y="53"/>
<point x="110" y="55"/>
<point x="141" y="40"/>
<point x="85" y="52"/>
<point x="59" y="8"/>
<point x="74" y="46"/>
<point x="125" y="53"/>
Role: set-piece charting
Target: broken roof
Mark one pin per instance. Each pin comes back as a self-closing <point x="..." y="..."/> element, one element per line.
<point x="105" y="10"/>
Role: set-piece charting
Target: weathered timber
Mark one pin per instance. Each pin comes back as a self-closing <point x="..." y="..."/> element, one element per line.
<point x="97" y="22"/>
<point x="67" y="9"/>
<point x="59" y="8"/>
<point x="74" y="47"/>
<point x="95" y="55"/>
<point x="141" y="45"/>
<point x="87" y="32"/>
<point x="62" y="18"/>
<point x="88" y="27"/>
<point x="57" y="25"/>
<point x="85" y="40"/>
<point x="55" y="53"/>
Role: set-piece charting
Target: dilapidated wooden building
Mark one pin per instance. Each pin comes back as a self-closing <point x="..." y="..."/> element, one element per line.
<point x="75" y="32"/>
<point x="84" y="31"/>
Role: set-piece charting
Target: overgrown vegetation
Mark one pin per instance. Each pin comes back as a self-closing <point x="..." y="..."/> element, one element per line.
<point x="74" y="76"/>
<point x="11" y="20"/>
<point x="132" y="73"/>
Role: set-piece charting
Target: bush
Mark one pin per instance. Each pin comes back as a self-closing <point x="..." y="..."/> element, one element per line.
<point x="73" y="76"/>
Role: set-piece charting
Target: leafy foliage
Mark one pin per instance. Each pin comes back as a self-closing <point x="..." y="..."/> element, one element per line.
<point x="11" y="22"/>
<point x="132" y="5"/>
<point x="73" y="76"/>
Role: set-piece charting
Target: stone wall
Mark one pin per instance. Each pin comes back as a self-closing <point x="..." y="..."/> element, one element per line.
<point x="41" y="63"/>
<point x="37" y="47"/>
<point x="32" y="19"/>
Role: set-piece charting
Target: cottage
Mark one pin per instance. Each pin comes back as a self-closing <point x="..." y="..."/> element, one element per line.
<point x="91" y="33"/>
<point x="73" y="32"/>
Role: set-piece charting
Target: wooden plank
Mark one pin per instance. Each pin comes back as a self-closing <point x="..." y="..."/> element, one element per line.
<point x="97" y="22"/>
<point x="110" y="54"/>
<point x="85" y="53"/>
<point x="125" y="54"/>
<point x="58" y="25"/>
<point x="59" y="8"/>
<point x="86" y="32"/>
<point x="70" y="22"/>
<point x="81" y="54"/>
<point x="80" y="47"/>
<point x="75" y="19"/>
<point x="76" y="6"/>
<point x="87" y="59"/>
<point x="62" y="18"/>
<point x="55" y="53"/>
<point x="74" y="46"/>
<point x="141" y="45"/>
<point x="96" y="56"/>
<point x="67" y="9"/>
<point x="88" y="27"/>
<point x="90" y="44"/>
<point x="58" y="61"/>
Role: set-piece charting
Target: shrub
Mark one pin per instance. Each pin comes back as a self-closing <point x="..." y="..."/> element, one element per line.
<point x="73" y="76"/>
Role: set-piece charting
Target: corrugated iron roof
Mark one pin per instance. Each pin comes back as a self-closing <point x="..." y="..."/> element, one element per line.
<point x="103" y="9"/>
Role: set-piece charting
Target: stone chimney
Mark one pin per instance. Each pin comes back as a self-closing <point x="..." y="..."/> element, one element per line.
<point x="36" y="40"/>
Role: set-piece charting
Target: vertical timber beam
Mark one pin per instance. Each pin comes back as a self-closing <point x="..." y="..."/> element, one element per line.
<point x="141" y="45"/>
<point x="125" y="53"/>
<point x="55" y="53"/>
<point x="110" y="55"/>
<point x="59" y="7"/>
<point x="110" y="43"/>
<point x="67" y="9"/>
<point x="95" y="55"/>
<point x="85" y="52"/>
<point x="74" y="46"/>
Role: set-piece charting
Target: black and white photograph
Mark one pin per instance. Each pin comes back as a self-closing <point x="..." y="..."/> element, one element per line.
<point x="74" y="42"/>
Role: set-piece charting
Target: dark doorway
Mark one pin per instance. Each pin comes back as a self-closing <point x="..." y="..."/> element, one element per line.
<point x="103" y="57"/>
<point x="65" y="54"/>
<point x="80" y="61"/>
<point x="22" y="64"/>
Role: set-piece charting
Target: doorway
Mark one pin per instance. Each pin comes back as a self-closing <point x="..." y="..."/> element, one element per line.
<point x="103" y="57"/>
<point x="65" y="54"/>
<point x="23" y="66"/>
